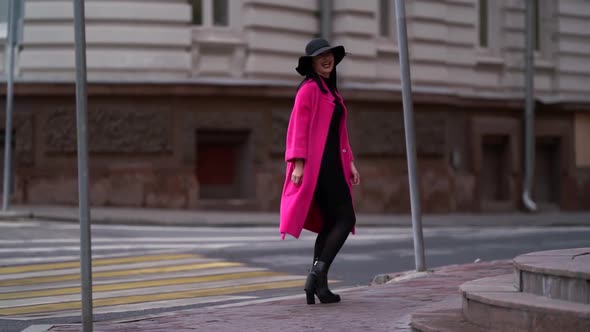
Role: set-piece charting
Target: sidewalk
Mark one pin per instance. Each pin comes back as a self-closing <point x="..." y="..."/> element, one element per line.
<point x="170" y="217"/>
<point x="385" y="307"/>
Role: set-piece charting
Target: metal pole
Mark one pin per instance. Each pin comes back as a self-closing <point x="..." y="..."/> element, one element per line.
<point x="529" y="73"/>
<point x="402" y="39"/>
<point x="326" y="19"/>
<point x="82" y="124"/>
<point x="11" y="44"/>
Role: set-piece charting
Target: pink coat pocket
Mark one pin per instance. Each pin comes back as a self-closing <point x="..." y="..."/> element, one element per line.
<point x="291" y="188"/>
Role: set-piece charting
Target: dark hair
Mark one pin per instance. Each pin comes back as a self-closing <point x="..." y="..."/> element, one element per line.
<point x="312" y="75"/>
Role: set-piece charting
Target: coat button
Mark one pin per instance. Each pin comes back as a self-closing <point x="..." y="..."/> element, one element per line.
<point x="344" y="150"/>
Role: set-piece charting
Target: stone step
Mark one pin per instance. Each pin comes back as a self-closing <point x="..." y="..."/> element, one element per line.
<point x="555" y="274"/>
<point x="495" y="305"/>
<point x="443" y="321"/>
<point x="445" y="316"/>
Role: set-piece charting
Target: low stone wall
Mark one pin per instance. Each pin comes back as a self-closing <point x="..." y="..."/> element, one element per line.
<point x="144" y="141"/>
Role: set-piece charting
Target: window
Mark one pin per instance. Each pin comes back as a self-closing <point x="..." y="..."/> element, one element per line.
<point x="386" y="19"/>
<point x="4" y="16"/>
<point x="220" y="13"/>
<point x="536" y="25"/>
<point x="384" y="22"/>
<point x="489" y="27"/>
<point x="223" y="165"/>
<point x="483" y="23"/>
<point x="197" y="12"/>
<point x="210" y="12"/>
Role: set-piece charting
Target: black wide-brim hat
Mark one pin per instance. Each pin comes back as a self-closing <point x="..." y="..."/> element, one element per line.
<point x="316" y="47"/>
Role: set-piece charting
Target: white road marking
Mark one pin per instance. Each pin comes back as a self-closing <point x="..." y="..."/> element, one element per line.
<point x="147" y="277"/>
<point x="194" y="239"/>
<point x="15" y="260"/>
<point x="19" y="224"/>
<point x="122" y="247"/>
<point x="111" y="267"/>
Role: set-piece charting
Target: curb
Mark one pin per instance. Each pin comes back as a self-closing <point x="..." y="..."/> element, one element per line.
<point x="387" y="278"/>
<point x="12" y="215"/>
<point x="38" y="328"/>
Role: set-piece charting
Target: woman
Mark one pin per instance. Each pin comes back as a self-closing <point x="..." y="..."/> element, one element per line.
<point x="317" y="194"/>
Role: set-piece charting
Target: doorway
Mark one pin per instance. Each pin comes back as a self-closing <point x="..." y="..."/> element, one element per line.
<point x="546" y="188"/>
<point x="495" y="188"/>
<point x="12" y="161"/>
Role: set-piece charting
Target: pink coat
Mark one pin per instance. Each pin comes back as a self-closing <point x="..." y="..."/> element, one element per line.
<point x="306" y="137"/>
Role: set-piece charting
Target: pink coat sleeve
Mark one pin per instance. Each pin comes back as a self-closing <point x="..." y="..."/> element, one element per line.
<point x="298" y="130"/>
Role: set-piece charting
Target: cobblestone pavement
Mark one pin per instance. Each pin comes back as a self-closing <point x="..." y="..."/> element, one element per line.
<point x="385" y="307"/>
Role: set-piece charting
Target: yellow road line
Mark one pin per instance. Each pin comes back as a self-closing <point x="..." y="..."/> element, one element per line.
<point x="96" y="262"/>
<point x="118" y="273"/>
<point x="75" y="305"/>
<point x="139" y="284"/>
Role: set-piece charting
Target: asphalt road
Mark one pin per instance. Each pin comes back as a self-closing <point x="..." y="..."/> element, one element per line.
<point x="149" y="269"/>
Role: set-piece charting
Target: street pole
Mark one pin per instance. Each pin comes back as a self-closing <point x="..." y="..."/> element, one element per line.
<point x="82" y="125"/>
<point x="529" y="120"/>
<point x="402" y="39"/>
<point x="11" y="44"/>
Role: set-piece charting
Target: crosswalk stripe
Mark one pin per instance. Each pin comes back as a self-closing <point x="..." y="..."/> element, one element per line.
<point x="25" y="259"/>
<point x="137" y="306"/>
<point x="114" y="267"/>
<point x="40" y="276"/>
<point x="138" y="284"/>
<point x="147" y="291"/>
<point x="191" y="239"/>
<point x="98" y="262"/>
<point x="151" y="297"/>
<point x="142" y="246"/>
<point x="134" y="278"/>
<point x="110" y="274"/>
<point x="20" y="224"/>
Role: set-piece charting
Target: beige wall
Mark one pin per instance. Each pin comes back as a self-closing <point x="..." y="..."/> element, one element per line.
<point x="582" y="132"/>
<point x="149" y="39"/>
<point x="125" y="39"/>
<point x="276" y="33"/>
<point x="573" y="48"/>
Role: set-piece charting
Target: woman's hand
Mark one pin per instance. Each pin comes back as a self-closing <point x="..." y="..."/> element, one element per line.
<point x="355" y="178"/>
<point x="297" y="174"/>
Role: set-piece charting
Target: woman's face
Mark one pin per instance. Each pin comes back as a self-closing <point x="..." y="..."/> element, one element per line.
<point x="323" y="63"/>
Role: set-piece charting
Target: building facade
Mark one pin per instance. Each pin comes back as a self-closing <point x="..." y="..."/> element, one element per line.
<point x="189" y="101"/>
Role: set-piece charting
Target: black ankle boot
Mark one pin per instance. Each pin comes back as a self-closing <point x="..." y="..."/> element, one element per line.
<point x="317" y="284"/>
<point x="312" y="264"/>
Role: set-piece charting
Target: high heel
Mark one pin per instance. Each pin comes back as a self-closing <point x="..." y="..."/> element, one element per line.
<point x="310" y="297"/>
<point x="310" y="289"/>
<point x="317" y="283"/>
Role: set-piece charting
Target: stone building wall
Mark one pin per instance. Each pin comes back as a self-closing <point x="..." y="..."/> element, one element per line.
<point x="172" y="100"/>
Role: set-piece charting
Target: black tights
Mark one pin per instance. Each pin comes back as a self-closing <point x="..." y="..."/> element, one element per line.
<point x="338" y="223"/>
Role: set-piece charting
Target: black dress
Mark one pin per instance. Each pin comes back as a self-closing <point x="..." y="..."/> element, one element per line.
<point x="332" y="194"/>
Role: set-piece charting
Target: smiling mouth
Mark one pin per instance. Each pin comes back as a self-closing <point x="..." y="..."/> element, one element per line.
<point x="326" y="65"/>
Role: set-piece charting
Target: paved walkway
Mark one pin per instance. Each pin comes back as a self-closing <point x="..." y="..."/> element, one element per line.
<point x="385" y="307"/>
<point x="218" y="218"/>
